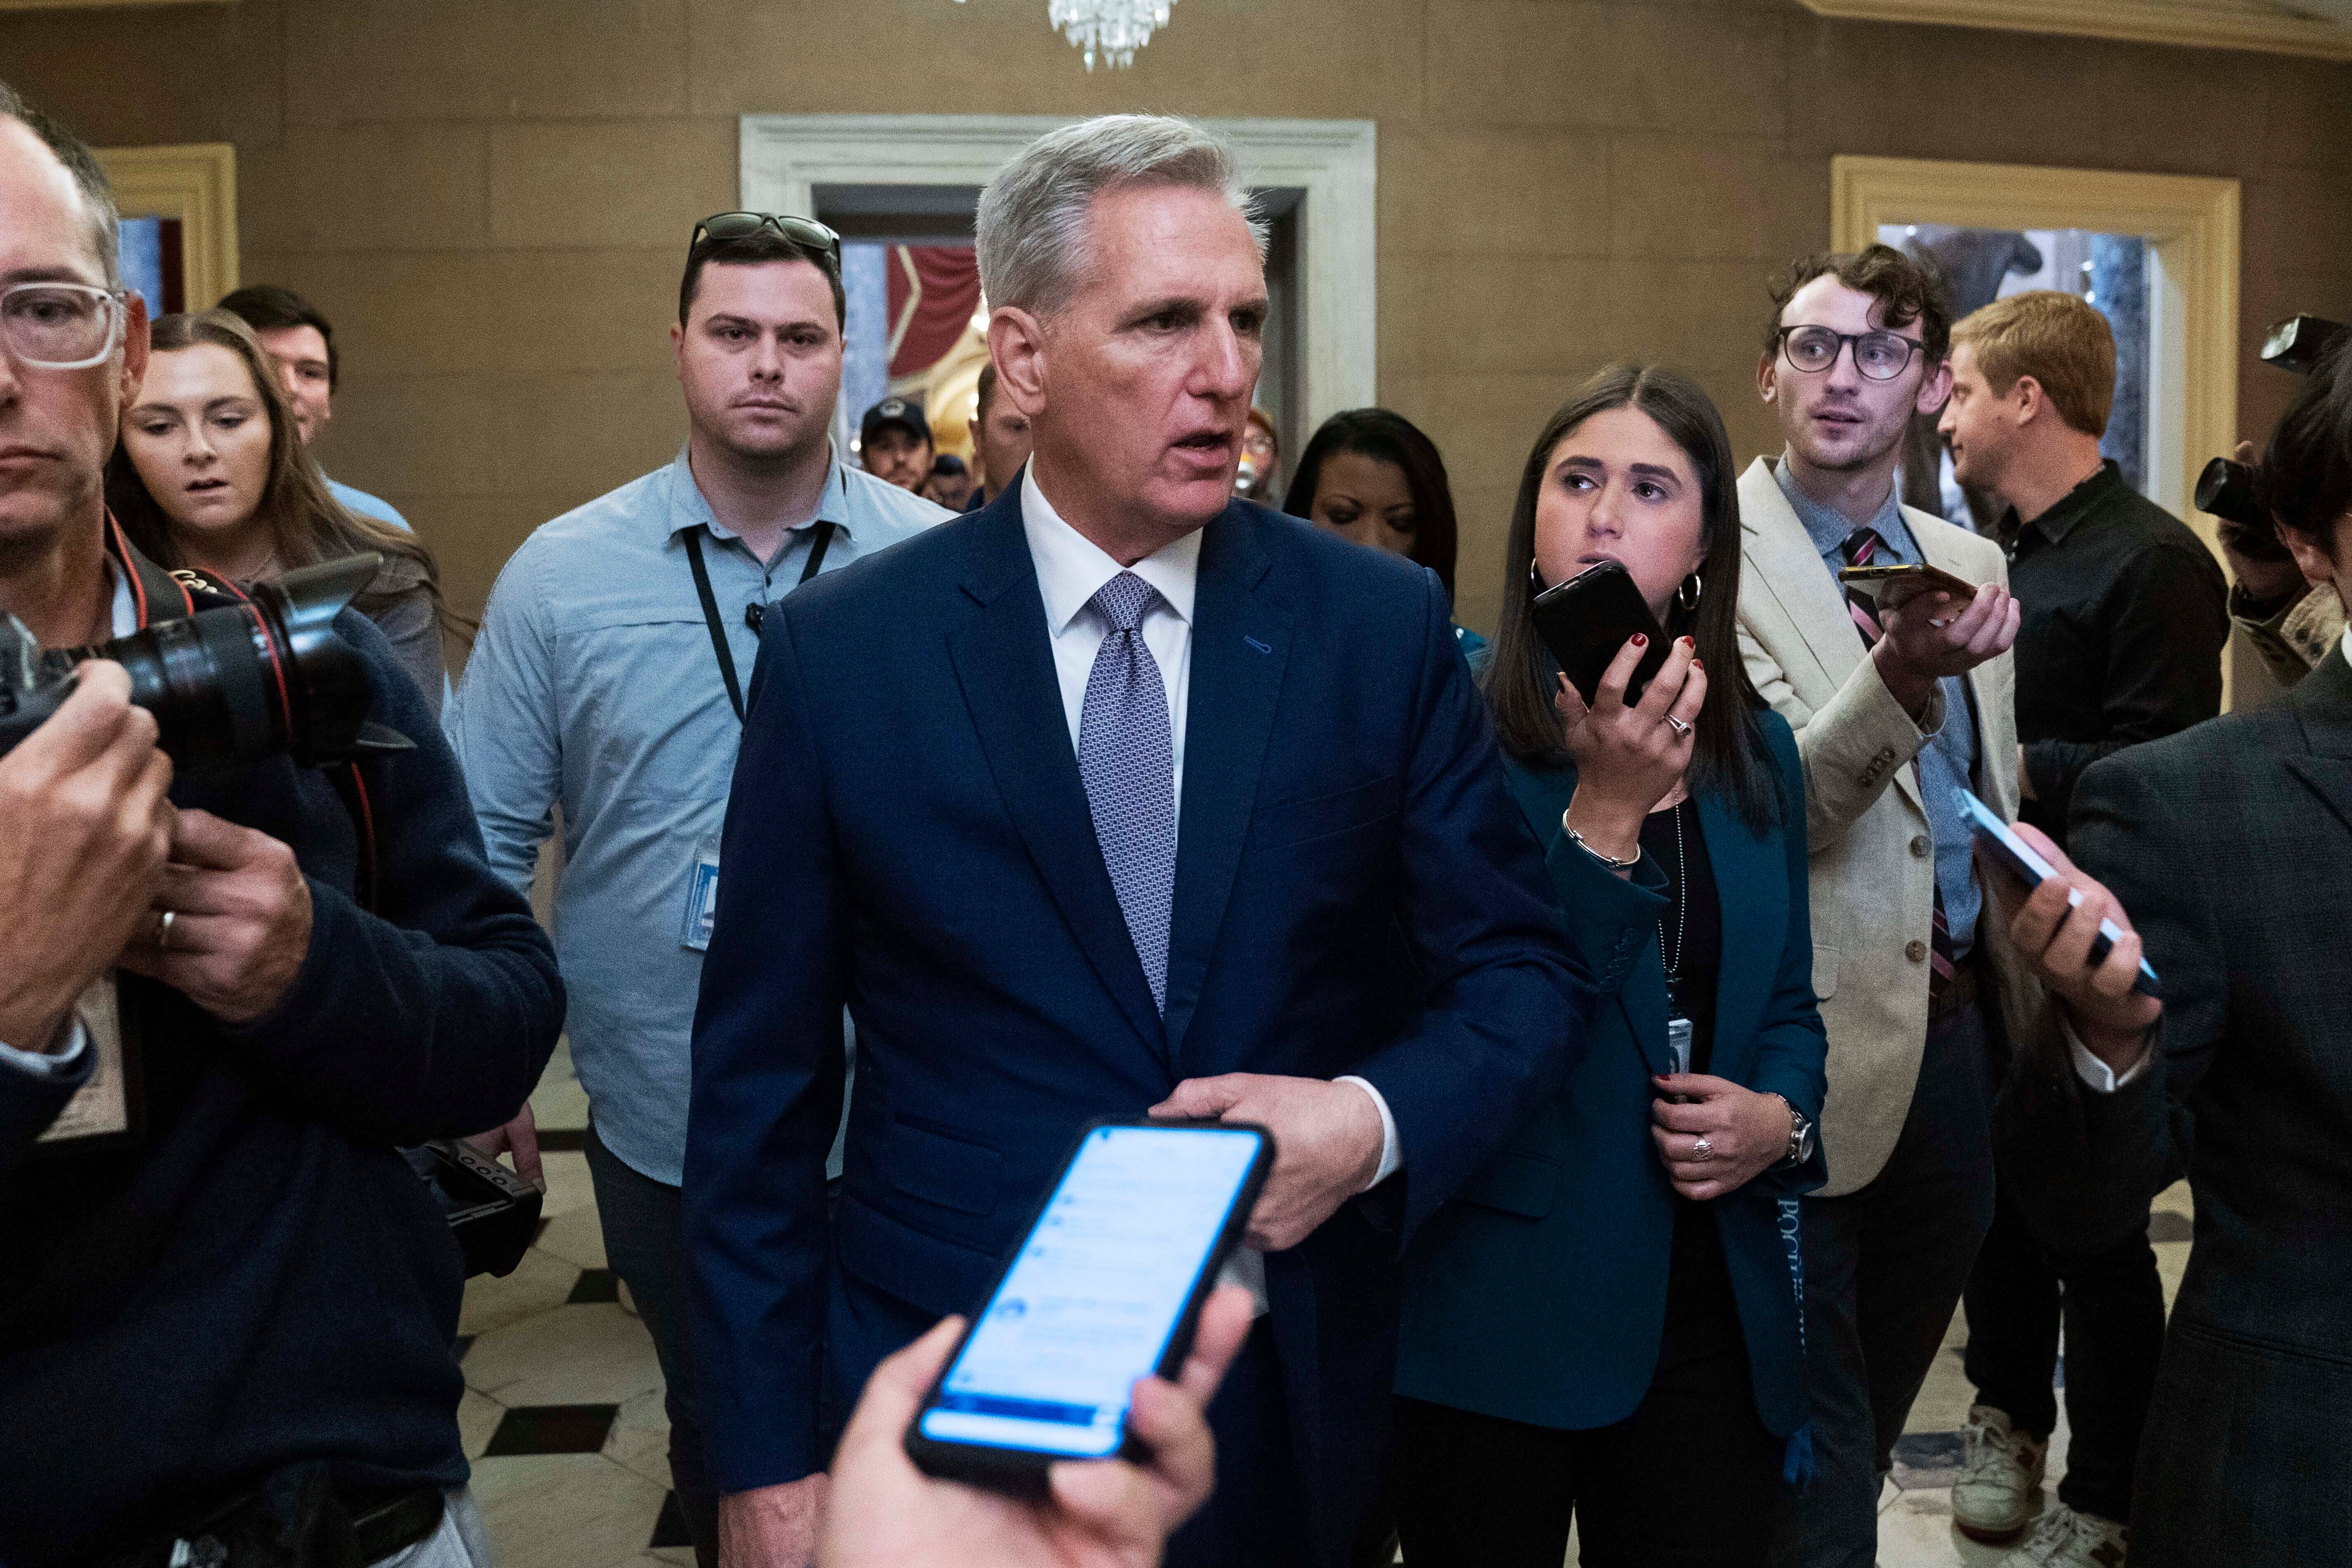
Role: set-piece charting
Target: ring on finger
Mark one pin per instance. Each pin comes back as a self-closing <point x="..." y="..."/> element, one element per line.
<point x="1703" y="1150"/>
<point x="164" y="930"/>
<point x="1676" y="725"/>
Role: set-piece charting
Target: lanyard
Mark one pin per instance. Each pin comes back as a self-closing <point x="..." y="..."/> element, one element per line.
<point x="751" y="616"/>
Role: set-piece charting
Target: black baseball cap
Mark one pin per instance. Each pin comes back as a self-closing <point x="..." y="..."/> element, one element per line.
<point x="894" y="411"/>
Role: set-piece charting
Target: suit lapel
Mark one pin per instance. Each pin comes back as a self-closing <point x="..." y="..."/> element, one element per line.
<point x="1793" y="572"/>
<point x="1004" y="662"/>
<point x="1241" y="647"/>
<point x="2323" y="702"/>
<point x="1751" y="886"/>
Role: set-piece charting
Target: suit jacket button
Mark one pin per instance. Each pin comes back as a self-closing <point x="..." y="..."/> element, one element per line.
<point x="1919" y="847"/>
<point x="1915" y="951"/>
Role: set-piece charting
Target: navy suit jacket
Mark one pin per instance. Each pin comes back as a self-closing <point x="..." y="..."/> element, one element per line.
<point x="1540" y="1293"/>
<point x="909" y="835"/>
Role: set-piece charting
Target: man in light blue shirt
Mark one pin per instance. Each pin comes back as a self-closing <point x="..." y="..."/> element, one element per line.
<point x="610" y="679"/>
<point x="301" y="343"/>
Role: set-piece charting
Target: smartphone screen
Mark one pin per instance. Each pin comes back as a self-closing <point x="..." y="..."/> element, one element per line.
<point x="2002" y="843"/>
<point x="1098" y="1289"/>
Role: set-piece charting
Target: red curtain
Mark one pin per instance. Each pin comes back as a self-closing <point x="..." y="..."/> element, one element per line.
<point x="934" y="288"/>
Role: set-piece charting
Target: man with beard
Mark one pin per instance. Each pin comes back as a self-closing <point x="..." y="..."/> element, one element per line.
<point x="608" y="679"/>
<point x="1898" y="703"/>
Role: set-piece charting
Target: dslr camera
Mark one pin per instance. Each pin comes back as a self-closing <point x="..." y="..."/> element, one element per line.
<point x="2227" y="488"/>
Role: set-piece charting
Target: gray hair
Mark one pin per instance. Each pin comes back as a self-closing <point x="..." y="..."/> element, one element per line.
<point x="88" y="176"/>
<point x="1032" y="227"/>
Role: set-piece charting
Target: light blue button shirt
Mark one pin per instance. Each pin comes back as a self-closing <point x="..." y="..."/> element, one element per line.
<point x="1949" y="761"/>
<point x="361" y="502"/>
<point x="593" y="686"/>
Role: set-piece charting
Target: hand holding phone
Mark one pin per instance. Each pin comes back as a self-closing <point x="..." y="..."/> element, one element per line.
<point x="1588" y="620"/>
<point x="1898" y="583"/>
<point x="1104" y="1289"/>
<point x="1999" y="843"/>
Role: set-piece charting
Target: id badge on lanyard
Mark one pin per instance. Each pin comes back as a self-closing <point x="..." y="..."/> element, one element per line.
<point x="1679" y="1029"/>
<point x="701" y="899"/>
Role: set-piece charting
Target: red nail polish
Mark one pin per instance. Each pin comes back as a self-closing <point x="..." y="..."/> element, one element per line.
<point x="1698" y="664"/>
<point x="1689" y="643"/>
<point x="1641" y="639"/>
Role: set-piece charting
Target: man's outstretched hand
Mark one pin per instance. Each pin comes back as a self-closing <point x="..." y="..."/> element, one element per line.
<point x="882" y="1512"/>
<point x="1327" y="1139"/>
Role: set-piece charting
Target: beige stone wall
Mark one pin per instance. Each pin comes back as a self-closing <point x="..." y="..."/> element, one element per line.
<point x="491" y="197"/>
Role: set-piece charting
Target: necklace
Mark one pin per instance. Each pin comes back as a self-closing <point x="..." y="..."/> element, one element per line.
<point x="1682" y="910"/>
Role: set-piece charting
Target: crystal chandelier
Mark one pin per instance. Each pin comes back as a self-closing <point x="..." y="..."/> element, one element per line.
<point x="1111" y="31"/>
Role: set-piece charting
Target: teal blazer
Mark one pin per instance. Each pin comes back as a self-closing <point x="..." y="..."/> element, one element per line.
<point x="1539" y="1293"/>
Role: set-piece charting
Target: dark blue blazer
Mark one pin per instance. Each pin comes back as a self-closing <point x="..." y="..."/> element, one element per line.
<point x="909" y="835"/>
<point x="1540" y="1293"/>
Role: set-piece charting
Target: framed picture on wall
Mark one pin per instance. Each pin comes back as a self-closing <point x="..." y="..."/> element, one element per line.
<point x="179" y="222"/>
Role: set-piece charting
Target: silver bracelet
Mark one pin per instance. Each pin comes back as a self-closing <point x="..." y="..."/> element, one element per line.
<point x="1615" y="865"/>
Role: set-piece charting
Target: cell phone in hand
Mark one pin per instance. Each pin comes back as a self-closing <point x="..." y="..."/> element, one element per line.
<point x="1999" y="842"/>
<point x="1588" y="620"/>
<point x="1105" y="1288"/>
<point x="1890" y="586"/>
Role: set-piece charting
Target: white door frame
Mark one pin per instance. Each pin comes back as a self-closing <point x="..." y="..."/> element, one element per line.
<point x="785" y="156"/>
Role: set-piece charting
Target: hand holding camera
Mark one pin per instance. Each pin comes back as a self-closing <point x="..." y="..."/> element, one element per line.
<point x="88" y="828"/>
<point x="231" y="923"/>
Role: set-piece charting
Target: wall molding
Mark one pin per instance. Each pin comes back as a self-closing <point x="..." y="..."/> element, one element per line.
<point x="2196" y="24"/>
<point x="197" y="183"/>
<point x="785" y="156"/>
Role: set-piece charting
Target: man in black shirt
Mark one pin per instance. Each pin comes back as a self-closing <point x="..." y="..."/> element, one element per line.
<point x="2125" y="619"/>
<point x="222" y="1287"/>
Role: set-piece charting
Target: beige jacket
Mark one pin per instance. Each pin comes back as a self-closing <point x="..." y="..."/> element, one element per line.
<point x="1874" y="866"/>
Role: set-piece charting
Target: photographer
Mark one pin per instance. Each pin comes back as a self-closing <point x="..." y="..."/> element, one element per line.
<point x="2230" y="847"/>
<point x="2291" y="620"/>
<point x="228" y="1302"/>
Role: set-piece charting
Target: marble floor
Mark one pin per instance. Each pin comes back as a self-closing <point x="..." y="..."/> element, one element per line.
<point x="562" y="1414"/>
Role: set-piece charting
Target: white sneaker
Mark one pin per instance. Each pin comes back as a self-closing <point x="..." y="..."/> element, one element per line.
<point x="2066" y="1538"/>
<point x="2001" y="1475"/>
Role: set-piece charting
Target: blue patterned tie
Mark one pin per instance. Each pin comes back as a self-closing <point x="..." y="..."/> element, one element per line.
<point x="1127" y="760"/>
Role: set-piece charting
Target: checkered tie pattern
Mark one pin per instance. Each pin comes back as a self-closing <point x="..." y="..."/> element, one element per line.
<point x="1127" y="759"/>
<point x="1861" y="547"/>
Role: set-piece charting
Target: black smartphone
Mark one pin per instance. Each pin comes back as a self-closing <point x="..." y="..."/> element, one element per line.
<point x="1586" y="621"/>
<point x="1999" y="841"/>
<point x="1105" y="1287"/>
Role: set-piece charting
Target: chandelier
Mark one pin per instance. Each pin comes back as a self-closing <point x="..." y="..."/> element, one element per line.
<point x="1108" y="30"/>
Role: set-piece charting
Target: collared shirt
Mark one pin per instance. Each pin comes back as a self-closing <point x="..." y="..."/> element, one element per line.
<point x="594" y="687"/>
<point x="359" y="502"/>
<point x="1949" y="761"/>
<point x="2124" y="613"/>
<point x="1071" y="569"/>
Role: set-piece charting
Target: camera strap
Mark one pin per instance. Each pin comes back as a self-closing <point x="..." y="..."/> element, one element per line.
<point x="823" y="537"/>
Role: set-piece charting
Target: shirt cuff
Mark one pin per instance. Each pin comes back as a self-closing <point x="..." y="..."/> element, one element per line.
<point x="2096" y="1075"/>
<point x="61" y="1063"/>
<point x="1391" y="1156"/>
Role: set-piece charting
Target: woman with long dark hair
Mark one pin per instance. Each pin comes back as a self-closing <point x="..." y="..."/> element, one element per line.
<point x="1371" y="476"/>
<point x="209" y="472"/>
<point x="1607" y="1315"/>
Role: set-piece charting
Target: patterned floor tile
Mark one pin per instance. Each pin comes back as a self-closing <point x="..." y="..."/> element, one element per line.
<point x="575" y="1238"/>
<point x="477" y="1420"/>
<point x="640" y="1437"/>
<point x="595" y="1284"/>
<point x="566" y="1510"/>
<point x="552" y="1429"/>
<point x="540" y="1283"/>
<point x="574" y="1355"/>
<point x="669" y="1530"/>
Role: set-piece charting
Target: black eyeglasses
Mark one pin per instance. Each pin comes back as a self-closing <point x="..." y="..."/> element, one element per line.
<point x="1881" y="356"/>
<point x="805" y="232"/>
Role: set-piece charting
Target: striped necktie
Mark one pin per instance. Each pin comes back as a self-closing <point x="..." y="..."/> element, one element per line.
<point x="1861" y="547"/>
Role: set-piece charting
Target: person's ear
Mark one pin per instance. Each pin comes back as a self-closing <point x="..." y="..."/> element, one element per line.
<point x="1768" y="376"/>
<point x="2310" y="554"/>
<point x="134" y="348"/>
<point x="1935" y="389"/>
<point x="1016" y="343"/>
<point x="2030" y="400"/>
<point x="677" y="348"/>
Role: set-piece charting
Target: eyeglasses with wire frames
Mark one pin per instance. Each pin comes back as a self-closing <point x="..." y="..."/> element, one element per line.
<point x="61" y="326"/>
<point x="1880" y="356"/>
<point x="805" y="232"/>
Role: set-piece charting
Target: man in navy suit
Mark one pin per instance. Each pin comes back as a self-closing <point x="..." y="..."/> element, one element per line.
<point x="1117" y="796"/>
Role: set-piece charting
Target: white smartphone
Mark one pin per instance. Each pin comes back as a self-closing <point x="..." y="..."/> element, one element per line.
<point x="2004" y="845"/>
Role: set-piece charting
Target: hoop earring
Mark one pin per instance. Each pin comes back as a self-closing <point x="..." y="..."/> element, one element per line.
<point x="1688" y="595"/>
<point x="1535" y="579"/>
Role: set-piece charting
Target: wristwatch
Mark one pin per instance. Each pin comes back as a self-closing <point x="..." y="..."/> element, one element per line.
<point x="1800" y="1134"/>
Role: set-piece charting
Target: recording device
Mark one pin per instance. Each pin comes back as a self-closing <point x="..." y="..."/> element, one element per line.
<point x="2226" y="489"/>
<point x="2006" y="849"/>
<point x="1105" y="1288"/>
<point x="1587" y="622"/>
<point x="230" y="685"/>
<point x="1890" y="586"/>
<point x="492" y="1212"/>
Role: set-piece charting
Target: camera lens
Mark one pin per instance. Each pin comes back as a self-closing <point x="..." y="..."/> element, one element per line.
<point x="2226" y="489"/>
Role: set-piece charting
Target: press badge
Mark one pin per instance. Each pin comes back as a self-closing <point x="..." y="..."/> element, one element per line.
<point x="701" y="899"/>
<point x="1678" y="1043"/>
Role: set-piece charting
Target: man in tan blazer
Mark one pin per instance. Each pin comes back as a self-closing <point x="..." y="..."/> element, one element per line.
<point x="1895" y="706"/>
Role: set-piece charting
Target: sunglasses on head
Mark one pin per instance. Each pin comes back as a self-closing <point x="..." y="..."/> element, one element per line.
<point x="805" y="232"/>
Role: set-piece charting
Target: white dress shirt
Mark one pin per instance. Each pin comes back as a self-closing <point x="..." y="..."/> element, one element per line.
<point x="61" y="1063"/>
<point x="1071" y="569"/>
